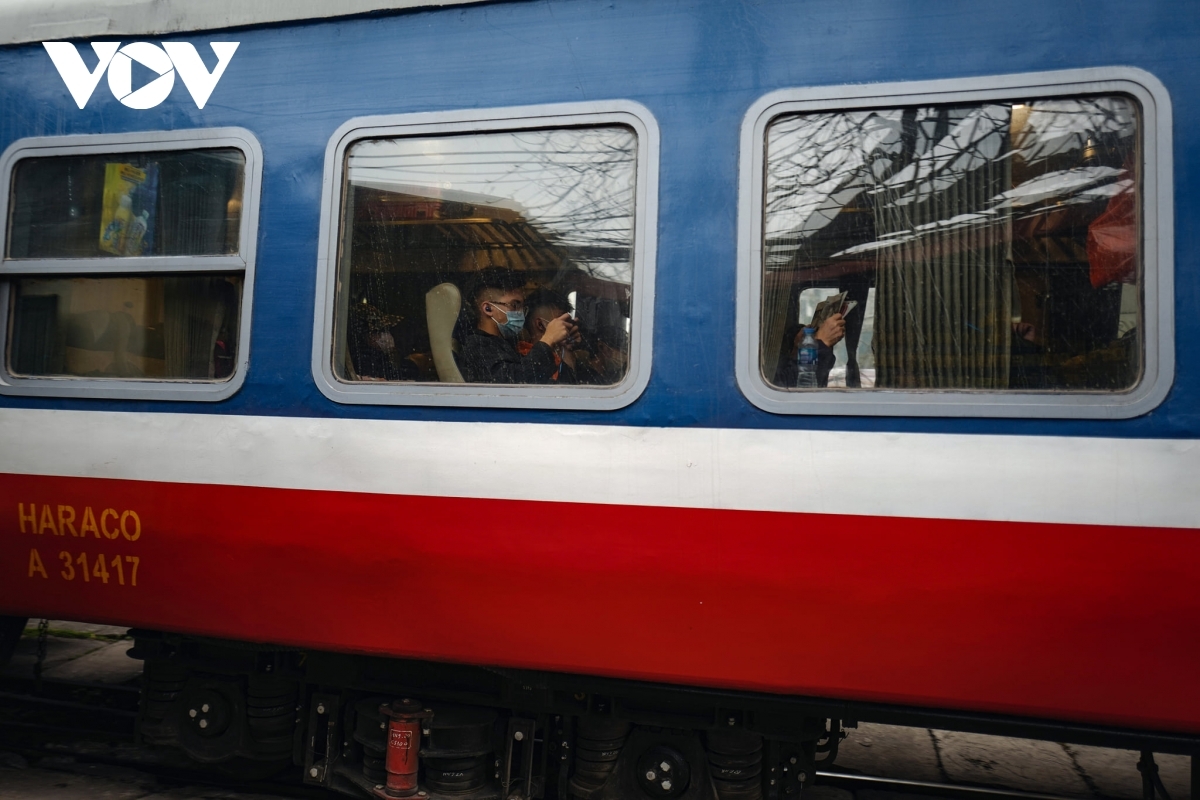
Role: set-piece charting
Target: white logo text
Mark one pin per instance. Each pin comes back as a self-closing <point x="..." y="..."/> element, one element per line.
<point x="164" y="61"/>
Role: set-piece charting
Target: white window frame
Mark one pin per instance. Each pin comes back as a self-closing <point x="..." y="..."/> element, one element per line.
<point x="443" y="123"/>
<point x="242" y="261"/>
<point x="1158" y="249"/>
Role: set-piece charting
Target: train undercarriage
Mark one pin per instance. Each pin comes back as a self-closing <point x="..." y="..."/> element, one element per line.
<point x="381" y="727"/>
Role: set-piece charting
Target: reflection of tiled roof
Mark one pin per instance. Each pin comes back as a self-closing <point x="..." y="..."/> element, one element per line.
<point x="496" y="235"/>
<point x="521" y="244"/>
<point x="399" y="194"/>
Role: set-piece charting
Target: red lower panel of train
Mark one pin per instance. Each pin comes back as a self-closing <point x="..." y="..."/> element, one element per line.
<point x="1086" y="623"/>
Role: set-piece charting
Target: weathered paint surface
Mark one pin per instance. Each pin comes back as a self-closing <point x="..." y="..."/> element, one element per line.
<point x="33" y="21"/>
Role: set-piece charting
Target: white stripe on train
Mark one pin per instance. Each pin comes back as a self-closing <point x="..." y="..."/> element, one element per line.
<point x="1135" y="482"/>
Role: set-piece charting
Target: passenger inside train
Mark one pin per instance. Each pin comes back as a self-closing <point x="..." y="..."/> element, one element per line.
<point x="543" y="307"/>
<point x="831" y="331"/>
<point x="490" y="353"/>
<point x="490" y="219"/>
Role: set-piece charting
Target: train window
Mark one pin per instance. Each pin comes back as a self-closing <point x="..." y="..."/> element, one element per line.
<point x="975" y="254"/>
<point x="494" y="259"/>
<point x="128" y="263"/>
<point x="105" y="206"/>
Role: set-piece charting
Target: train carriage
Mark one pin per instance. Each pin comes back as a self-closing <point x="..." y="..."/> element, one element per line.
<point x="497" y="398"/>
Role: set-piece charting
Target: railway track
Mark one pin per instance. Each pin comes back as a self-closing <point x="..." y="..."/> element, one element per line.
<point x="72" y="724"/>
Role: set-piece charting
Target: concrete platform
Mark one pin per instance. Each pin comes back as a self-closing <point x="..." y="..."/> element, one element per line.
<point x="904" y="753"/>
<point x="108" y="664"/>
<point x="996" y="761"/>
<point x="112" y="631"/>
<point x="99" y="658"/>
<point x="58" y="652"/>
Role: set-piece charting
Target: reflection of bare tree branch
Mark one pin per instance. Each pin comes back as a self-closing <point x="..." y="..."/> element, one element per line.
<point x="819" y="164"/>
<point x="928" y="195"/>
<point x="575" y="185"/>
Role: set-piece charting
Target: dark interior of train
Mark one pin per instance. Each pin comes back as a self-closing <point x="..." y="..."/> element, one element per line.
<point x="405" y="245"/>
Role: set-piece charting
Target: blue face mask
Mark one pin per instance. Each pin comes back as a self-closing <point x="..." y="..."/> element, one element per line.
<point x="514" y="321"/>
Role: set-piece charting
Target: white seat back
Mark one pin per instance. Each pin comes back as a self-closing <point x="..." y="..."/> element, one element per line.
<point x="442" y="306"/>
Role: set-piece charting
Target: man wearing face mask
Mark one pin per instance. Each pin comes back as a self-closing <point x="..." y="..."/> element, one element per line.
<point x="542" y="307"/>
<point x="489" y="354"/>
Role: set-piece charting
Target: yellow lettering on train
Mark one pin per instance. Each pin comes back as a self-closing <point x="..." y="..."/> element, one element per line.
<point x="32" y="517"/>
<point x="66" y="519"/>
<point x="137" y="526"/>
<point x="125" y="523"/>
<point x="48" y="522"/>
<point x="104" y="515"/>
<point x="89" y="523"/>
<point x="35" y="563"/>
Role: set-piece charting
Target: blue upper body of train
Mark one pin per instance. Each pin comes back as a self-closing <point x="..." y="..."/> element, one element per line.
<point x="698" y="66"/>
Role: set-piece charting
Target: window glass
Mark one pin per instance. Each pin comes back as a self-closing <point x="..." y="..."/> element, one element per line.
<point x="126" y="269"/>
<point x="863" y="364"/>
<point x="167" y="203"/>
<point x="498" y="257"/>
<point x="990" y="246"/>
<point x="173" y="327"/>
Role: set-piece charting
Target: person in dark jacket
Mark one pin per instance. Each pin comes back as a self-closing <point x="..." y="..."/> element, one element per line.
<point x="829" y="334"/>
<point x="489" y="351"/>
<point x="542" y="306"/>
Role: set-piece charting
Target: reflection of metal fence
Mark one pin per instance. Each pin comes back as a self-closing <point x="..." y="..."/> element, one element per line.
<point x="944" y="296"/>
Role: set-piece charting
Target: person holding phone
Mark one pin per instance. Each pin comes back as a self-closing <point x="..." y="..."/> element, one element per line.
<point x="831" y="331"/>
<point x="489" y="351"/>
<point x="544" y="306"/>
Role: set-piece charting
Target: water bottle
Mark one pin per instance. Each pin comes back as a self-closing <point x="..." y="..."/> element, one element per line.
<point x="806" y="361"/>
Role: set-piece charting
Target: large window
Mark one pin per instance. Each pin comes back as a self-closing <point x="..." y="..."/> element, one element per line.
<point x="506" y="265"/>
<point x="980" y="251"/>
<point x="127" y="263"/>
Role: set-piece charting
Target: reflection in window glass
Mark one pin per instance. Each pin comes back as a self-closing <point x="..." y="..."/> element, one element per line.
<point x="500" y="257"/>
<point x="993" y="246"/>
<point x="183" y="328"/>
<point x="863" y="362"/>
<point x="167" y="203"/>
